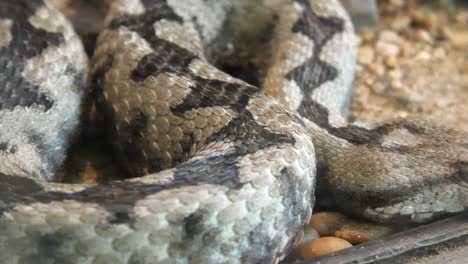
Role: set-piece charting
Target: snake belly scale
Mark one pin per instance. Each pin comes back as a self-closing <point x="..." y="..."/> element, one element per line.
<point x="224" y="170"/>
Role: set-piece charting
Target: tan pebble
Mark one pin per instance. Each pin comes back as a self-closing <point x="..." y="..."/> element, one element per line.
<point x="366" y="55"/>
<point x="353" y="237"/>
<point x="422" y="18"/>
<point x="368" y="82"/>
<point x="395" y="74"/>
<point x="439" y="53"/>
<point x="461" y="18"/>
<point x="392" y="62"/>
<point x="424" y="36"/>
<point x="458" y="39"/>
<point x="397" y="3"/>
<point x="357" y="233"/>
<point x="377" y="68"/>
<point x="326" y="223"/>
<point x="464" y="68"/>
<point x="323" y="246"/>
<point x="366" y="36"/>
<point x="397" y="84"/>
<point x="423" y="56"/>
<point x="407" y="48"/>
<point x="358" y="69"/>
<point x="389" y="36"/>
<point x="387" y="49"/>
<point x="400" y="22"/>
<point x="359" y="40"/>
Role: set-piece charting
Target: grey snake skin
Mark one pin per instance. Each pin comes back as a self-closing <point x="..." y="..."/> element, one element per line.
<point x="224" y="170"/>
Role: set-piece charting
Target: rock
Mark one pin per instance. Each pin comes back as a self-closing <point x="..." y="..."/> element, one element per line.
<point x="424" y="36"/>
<point x="397" y="3"/>
<point x="323" y="246"/>
<point x="423" y="56"/>
<point x="400" y="23"/>
<point x="395" y="74"/>
<point x="377" y="68"/>
<point x="392" y="62"/>
<point x="387" y="49"/>
<point x="366" y="54"/>
<point x="389" y="36"/>
<point x="357" y="233"/>
<point x="440" y="53"/>
<point x="326" y="223"/>
<point x="457" y="39"/>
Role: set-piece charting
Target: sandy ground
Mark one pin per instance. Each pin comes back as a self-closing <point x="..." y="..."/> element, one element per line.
<point x="414" y="63"/>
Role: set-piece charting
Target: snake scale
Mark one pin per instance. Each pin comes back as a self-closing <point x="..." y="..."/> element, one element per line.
<point x="230" y="163"/>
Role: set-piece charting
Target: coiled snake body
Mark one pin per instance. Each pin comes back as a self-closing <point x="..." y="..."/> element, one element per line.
<point x="229" y="166"/>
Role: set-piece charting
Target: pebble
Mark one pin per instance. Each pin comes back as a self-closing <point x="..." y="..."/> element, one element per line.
<point x="397" y="3"/>
<point x="423" y="56"/>
<point x="377" y="68"/>
<point x="400" y="23"/>
<point x="395" y="74"/>
<point x="326" y="223"/>
<point x="392" y="62"/>
<point x="440" y="53"/>
<point x="424" y="36"/>
<point x="366" y="55"/>
<point x="389" y="36"/>
<point x="323" y="246"/>
<point x="357" y="233"/>
<point x="387" y="49"/>
<point x="457" y="39"/>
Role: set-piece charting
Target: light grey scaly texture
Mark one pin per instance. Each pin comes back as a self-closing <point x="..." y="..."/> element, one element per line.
<point x="223" y="168"/>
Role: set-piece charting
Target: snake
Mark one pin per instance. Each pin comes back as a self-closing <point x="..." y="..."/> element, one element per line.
<point x="229" y="117"/>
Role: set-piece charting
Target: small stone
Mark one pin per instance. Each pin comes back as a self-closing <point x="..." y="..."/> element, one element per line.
<point x="366" y="55"/>
<point x="392" y="62"/>
<point x="424" y="36"/>
<point x="426" y="20"/>
<point x="387" y="49"/>
<point x="357" y="233"/>
<point x="400" y="23"/>
<point x="395" y="75"/>
<point x="397" y="84"/>
<point x="323" y="246"/>
<point x="440" y="53"/>
<point x="397" y="3"/>
<point x="407" y="48"/>
<point x="379" y="88"/>
<point x="366" y="35"/>
<point x="456" y="38"/>
<point x="377" y="68"/>
<point x="389" y="36"/>
<point x="464" y="68"/>
<point x="326" y="223"/>
<point x="423" y="56"/>
<point x="461" y="18"/>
